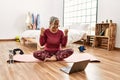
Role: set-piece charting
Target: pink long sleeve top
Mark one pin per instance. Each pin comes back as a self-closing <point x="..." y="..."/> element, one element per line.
<point x="53" y="41"/>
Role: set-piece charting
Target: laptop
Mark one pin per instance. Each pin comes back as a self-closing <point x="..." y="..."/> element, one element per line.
<point x="76" y="67"/>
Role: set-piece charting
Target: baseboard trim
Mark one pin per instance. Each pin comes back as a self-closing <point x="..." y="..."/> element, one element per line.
<point x="7" y="39"/>
<point x="116" y="48"/>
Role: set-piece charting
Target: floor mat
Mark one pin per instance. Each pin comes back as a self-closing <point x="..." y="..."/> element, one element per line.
<point x="73" y="58"/>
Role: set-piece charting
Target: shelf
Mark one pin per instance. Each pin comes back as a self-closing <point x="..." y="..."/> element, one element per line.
<point x="90" y="40"/>
<point x="102" y="36"/>
<point x="105" y="35"/>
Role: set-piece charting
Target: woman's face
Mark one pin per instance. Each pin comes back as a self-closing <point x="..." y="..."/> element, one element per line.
<point x="54" y="26"/>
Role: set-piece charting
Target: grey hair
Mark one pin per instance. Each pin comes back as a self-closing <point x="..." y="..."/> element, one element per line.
<point x="53" y="19"/>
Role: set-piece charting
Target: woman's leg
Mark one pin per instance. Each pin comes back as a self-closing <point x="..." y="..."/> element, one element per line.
<point x="41" y="55"/>
<point x="62" y="54"/>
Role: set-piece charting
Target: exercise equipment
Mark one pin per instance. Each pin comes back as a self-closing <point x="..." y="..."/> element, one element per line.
<point x="73" y="58"/>
<point x="16" y="50"/>
<point x="81" y="48"/>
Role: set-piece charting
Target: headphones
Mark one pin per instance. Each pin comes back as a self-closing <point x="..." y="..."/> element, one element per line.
<point x="17" y="49"/>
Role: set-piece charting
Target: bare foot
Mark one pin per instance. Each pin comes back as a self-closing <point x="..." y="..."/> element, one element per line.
<point x="53" y="58"/>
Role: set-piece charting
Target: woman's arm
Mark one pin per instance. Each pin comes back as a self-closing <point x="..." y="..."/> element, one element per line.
<point x="43" y="38"/>
<point x="64" y="38"/>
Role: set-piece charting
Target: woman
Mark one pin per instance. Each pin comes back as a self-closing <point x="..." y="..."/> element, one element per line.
<point x="53" y="39"/>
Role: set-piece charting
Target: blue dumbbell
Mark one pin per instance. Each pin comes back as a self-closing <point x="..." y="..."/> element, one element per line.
<point x="81" y="48"/>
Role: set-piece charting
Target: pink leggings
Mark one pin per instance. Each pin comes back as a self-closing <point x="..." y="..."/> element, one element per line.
<point x="60" y="55"/>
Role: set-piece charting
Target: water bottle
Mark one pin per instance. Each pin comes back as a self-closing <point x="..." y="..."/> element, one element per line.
<point x="11" y="56"/>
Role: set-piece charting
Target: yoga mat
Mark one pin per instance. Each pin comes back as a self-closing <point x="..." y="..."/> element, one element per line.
<point x="81" y="56"/>
<point x="73" y="58"/>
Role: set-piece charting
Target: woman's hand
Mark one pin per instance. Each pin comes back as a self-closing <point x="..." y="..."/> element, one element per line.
<point x="66" y="32"/>
<point x="42" y="31"/>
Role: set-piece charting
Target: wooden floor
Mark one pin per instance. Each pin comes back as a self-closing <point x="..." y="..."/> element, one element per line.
<point x="107" y="69"/>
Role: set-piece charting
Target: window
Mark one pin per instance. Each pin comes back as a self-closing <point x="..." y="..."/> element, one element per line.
<point x="80" y="11"/>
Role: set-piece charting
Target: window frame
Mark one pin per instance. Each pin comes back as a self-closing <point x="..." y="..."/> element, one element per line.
<point x="84" y="18"/>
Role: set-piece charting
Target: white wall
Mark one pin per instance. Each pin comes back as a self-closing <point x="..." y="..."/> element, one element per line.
<point x="13" y="14"/>
<point x="109" y="9"/>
